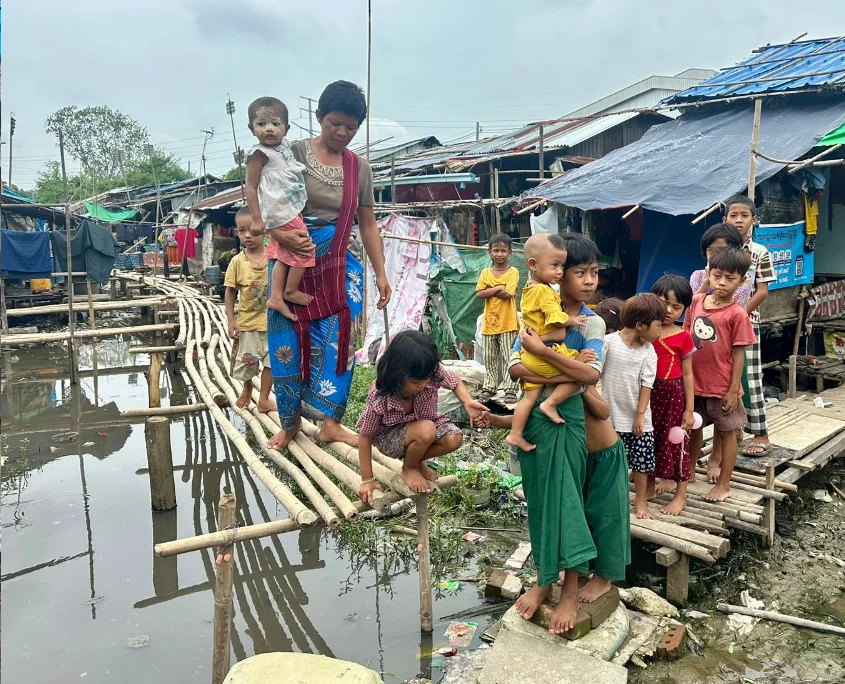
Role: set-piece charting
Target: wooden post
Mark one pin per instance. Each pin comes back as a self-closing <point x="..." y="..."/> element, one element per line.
<point x="154" y="379"/>
<point x="393" y="178"/>
<point x="802" y="296"/>
<point x="160" y="461"/>
<point x="4" y="321"/>
<point x="496" y="214"/>
<point x="791" y="389"/>
<point x="113" y="288"/>
<point x="677" y="574"/>
<point x="223" y="591"/>
<point x="91" y="322"/>
<point x="769" y="507"/>
<point x="755" y="140"/>
<point x="541" y="153"/>
<point x="71" y="316"/>
<point x="423" y="532"/>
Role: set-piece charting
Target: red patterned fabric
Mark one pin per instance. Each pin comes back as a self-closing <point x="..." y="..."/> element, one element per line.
<point x="326" y="281"/>
<point x="672" y="461"/>
<point x="826" y="301"/>
<point x="671" y="351"/>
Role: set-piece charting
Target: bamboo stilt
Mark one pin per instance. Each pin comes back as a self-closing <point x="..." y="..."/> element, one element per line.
<point x="423" y="533"/>
<point x="160" y="462"/>
<point x="154" y="380"/>
<point x="223" y="591"/>
<point x="164" y="411"/>
<point x="164" y="349"/>
<point x="92" y="323"/>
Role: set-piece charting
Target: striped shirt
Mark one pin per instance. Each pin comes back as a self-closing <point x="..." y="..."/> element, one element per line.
<point x="761" y="271"/>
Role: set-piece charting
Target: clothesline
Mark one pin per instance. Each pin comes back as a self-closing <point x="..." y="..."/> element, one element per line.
<point x="385" y="236"/>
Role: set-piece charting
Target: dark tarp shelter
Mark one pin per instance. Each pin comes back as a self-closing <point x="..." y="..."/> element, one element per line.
<point x="92" y="250"/>
<point x="687" y="165"/>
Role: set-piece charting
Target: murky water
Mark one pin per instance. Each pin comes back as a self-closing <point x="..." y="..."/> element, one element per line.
<point x="80" y="581"/>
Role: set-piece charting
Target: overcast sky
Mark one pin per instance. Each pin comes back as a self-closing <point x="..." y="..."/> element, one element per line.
<point x="438" y="65"/>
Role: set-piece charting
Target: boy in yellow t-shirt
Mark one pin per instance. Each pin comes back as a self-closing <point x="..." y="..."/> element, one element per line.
<point x="497" y="286"/>
<point x="247" y="276"/>
<point x="545" y="256"/>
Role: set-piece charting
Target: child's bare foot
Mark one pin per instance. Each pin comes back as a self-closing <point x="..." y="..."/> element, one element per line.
<point x="428" y="473"/>
<point x="265" y="406"/>
<point x="666" y="486"/>
<point x="281" y="439"/>
<point x="298" y="297"/>
<point x="692" y="474"/>
<point x="334" y="432"/>
<point x="550" y="411"/>
<point x="245" y="397"/>
<point x="530" y="601"/>
<point x="519" y="442"/>
<point x="560" y="577"/>
<point x="718" y="493"/>
<point x="650" y="491"/>
<point x="415" y="480"/>
<point x="641" y="509"/>
<point x="565" y="615"/>
<point x="675" y="506"/>
<point x="713" y="472"/>
<point x="596" y="587"/>
<point x="278" y="304"/>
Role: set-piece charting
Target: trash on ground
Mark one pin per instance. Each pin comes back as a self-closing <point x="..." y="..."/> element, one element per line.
<point x="473" y="538"/>
<point x="141" y="641"/>
<point x="818" y="402"/>
<point x="646" y="601"/>
<point x="460" y="633"/>
<point x="822" y="495"/>
<point x="449" y="586"/>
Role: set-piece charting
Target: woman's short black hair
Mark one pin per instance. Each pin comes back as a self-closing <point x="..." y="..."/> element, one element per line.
<point x="580" y="250"/>
<point x="343" y="97"/>
<point x="721" y="231"/>
<point x="642" y="308"/>
<point x="273" y="103"/>
<point x="730" y="260"/>
<point x="411" y="355"/>
<point x="677" y="284"/>
<point x="499" y="239"/>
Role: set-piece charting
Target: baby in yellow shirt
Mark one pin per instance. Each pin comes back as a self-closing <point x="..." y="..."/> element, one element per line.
<point x="545" y="256"/>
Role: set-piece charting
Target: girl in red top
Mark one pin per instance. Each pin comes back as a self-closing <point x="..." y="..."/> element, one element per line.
<point x="673" y="395"/>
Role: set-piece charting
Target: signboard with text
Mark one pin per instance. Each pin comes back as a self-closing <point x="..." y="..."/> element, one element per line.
<point x="785" y="242"/>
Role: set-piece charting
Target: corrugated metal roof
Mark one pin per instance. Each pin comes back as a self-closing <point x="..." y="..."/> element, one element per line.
<point x="561" y="133"/>
<point x="218" y="201"/>
<point x="776" y="69"/>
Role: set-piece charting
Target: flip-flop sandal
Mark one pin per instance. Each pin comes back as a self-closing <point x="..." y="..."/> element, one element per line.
<point x="766" y="449"/>
<point x="510" y="398"/>
<point x="485" y="395"/>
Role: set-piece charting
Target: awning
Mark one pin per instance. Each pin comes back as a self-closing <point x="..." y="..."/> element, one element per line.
<point x="109" y="215"/>
<point x="686" y="165"/>
<point x="836" y="137"/>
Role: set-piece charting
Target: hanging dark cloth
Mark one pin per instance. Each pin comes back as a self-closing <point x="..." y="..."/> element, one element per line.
<point x="92" y="250"/>
<point x="26" y="255"/>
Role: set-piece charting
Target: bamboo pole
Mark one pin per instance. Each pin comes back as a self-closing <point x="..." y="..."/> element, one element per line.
<point x="753" y="480"/>
<point x="183" y="325"/>
<point x="630" y="211"/>
<point x="223" y="591"/>
<point x="312" y="431"/>
<point x="240" y="534"/>
<point x="769" y="510"/>
<point x="82" y="307"/>
<point x="164" y="411"/>
<point x="71" y="315"/>
<point x="282" y="494"/>
<point x="424" y="534"/>
<point x="801" y="300"/>
<point x="334" y="492"/>
<point x="154" y="350"/>
<point x="681" y="545"/>
<point x="812" y="160"/>
<point x="717" y="546"/>
<point x="92" y="323"/>
<point x="42" y="338"/>
<point x="755" y="140"/>
<point x="712" y="526"/>
<point x="780" y="617"/>
<point x="154" y="380"/>
<point x="706" y="213"/>
<point x="160" y="462"/>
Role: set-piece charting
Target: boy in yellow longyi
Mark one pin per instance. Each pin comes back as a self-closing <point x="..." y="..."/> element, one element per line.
<point x="545" y="256"/>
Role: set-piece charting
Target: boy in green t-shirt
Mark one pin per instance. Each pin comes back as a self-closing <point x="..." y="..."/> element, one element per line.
<point x="247" y="276"/>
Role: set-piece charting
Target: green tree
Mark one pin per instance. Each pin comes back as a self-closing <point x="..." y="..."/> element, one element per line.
<point x="234" y="174"/>
<point x="167" y="170"/>
<point x="94" y="135"/>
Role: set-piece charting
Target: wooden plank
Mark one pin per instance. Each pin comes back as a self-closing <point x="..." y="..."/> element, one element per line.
<point x="819" y="458"/>
<point x="718" y="546"/>
<point x="677" y="581"/>
<point x="666" y="556"/>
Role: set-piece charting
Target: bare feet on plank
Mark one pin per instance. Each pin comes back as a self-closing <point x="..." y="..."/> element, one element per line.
<point x="530" y="601"/>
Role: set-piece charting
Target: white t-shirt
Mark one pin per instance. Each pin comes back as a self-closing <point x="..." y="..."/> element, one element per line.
<point x="626" y="370"/>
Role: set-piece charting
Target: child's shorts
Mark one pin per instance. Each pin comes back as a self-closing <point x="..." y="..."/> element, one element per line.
<point x="250" y="355"/>
<point x="392" y="442"/>
<point x="710" y="409"/>
<point x="278" y="253"/>
<point x="640" y="450"/>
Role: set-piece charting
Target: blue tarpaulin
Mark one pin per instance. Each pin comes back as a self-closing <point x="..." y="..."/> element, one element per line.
<point x="687" y="165"/>
<point x="26" y="254"/>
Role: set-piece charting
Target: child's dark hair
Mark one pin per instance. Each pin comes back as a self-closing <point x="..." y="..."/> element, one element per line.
<point x="721" y="231"/>
<point x="608" y="310"/>
<point x="273" y="103"/>
<point x="499" y="239"/>
<point x="676" y="284"/>
<point x="343" y="97"/>
<point x="743" y="200"/>
<point x="642" y="308"/>
<point x="243" y="211"/>
<point x="410" y="355"/>
<point x="730" y="260"/>
<point x="580" y="250"/>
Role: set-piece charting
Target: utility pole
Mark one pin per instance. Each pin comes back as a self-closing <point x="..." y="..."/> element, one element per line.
<point x="369" y="74"/>
<point x="477" y="131"/>
<point x="11" y="137"/>
<point x="208" y="135"/>
<point x="230" y="110"/>
<point x="310" y="110"/>
<point x="120" y="158"/>
<point x="150" y="150"/>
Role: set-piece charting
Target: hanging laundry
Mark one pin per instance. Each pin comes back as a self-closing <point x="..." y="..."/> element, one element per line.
<point x="189" y="251"/>
<point x="26" y="255"/>
<point x="93" y="250"/>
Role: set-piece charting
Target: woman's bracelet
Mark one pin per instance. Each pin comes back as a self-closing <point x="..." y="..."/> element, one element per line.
<point x="369" y="480"/>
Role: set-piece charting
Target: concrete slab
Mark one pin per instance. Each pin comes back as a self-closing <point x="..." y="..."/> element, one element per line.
<point x="518" y="658"/>
<point x="299" y="668"/>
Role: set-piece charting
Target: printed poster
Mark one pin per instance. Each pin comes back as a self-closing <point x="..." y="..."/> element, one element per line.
<point x="785" y="242"/>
